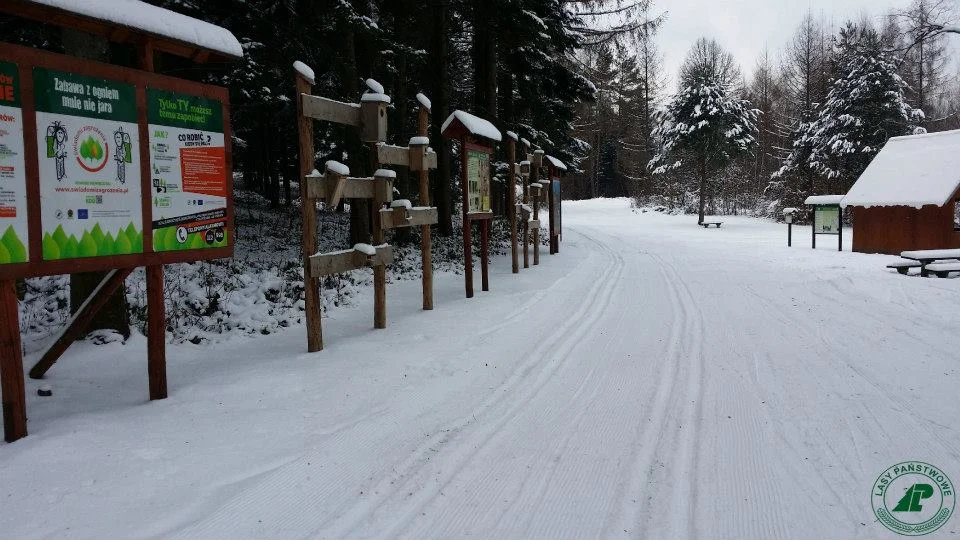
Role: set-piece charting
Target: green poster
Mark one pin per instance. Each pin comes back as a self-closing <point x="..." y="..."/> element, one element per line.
<point x="88" y="142"/>
<point x="188" y="171"/>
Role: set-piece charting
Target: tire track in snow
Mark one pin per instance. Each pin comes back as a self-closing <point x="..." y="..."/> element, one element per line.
<point x="406" y="484"/>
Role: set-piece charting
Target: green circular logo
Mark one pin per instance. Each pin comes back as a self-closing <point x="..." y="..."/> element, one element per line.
<point x="913" y="498"/>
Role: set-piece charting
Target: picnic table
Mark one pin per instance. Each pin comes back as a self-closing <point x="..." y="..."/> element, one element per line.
<point x="939" y="261"/>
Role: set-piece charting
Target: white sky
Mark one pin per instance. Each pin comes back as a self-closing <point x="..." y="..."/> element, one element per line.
<point x="747" y="27"/>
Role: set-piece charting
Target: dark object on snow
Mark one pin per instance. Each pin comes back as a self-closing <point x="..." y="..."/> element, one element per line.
<point x="45" y="391"/>
<point x="707" y="224"/>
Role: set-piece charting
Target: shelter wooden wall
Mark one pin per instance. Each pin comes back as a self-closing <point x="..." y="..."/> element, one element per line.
<point x="893" y="229"/>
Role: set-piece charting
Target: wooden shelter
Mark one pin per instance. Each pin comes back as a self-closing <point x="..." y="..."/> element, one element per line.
<point x="907" y="198"/>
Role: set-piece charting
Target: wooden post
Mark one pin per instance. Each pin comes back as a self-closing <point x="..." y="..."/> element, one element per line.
<point x="552" y="214"/>
<point x="526" y="200"/>
<point x="425" y="253"/>
<point x="535" y="171"/>
<point x="467" y="254"/>
<point x="12" y="384"/>
<point x="512" y="202"/>
<point x="156" y="334"/>
<point x="311" y="285"/>
<point x="485" y="255"/>
<point x="380" y="270"/>
<point x="156" y="309"/>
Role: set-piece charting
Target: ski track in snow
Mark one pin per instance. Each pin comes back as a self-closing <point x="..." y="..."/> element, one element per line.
<point x="654" y="380"/>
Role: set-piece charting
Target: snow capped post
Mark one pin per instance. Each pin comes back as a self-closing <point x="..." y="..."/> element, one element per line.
<point x="477" y="137"/>
<point x="511" y="194"/>
<point x="525" y="211"/>
<point x="788" y="219"/>
<point x="303" y="83"/>
<point x="536" y="193"/>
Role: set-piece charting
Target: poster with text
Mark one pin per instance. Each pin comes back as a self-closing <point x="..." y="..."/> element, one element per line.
<point x="555" y="207"/>
<point x="827" y="220"/>
<point x="478" y="181"/>
<point x="13" y="179"/>
<point x="89" y="162"/>
<point x="188" y="168"/>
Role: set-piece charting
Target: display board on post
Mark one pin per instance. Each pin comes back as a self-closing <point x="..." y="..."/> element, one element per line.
<point x="477" y="138"/>
<point x="827" y="218"/>
<point x="106" y="169"/>
<point x="555" y="168"/>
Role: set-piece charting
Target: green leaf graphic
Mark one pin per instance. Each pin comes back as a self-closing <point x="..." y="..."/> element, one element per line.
<point x="106" y="245"/>
<point x="60" y="237"/>
<point x="16" y="249"/>
<point x="51" y="251"/>
<point x="70" y="251"/>
<point x="97" y="234"/>
<point x="197" y="241"/>
<point x="4" y="254"/>
<point x="122" y="245"/>
<point x="87" y="246"/>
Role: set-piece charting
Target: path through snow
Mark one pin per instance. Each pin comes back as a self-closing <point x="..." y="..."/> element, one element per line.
<point x="654" y="380"/>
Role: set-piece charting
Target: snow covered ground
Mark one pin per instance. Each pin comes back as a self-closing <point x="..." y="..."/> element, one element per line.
<point x="654" y="380"/>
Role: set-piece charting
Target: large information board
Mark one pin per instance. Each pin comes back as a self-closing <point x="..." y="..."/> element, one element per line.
<point x="826" y="220"/>
<point x="13" y="176"/>
<point x="103" y="167"/>
<point x="478" y="181"/>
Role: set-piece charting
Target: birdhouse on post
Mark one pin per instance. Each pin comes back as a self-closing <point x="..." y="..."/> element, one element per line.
<point x="477" y="138"/>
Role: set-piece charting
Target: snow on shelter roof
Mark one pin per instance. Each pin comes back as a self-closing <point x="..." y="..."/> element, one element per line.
<point x="474" y="124"/>
<point x="915" y="170"/>
<point x="824" y="200"/>
<point x="556" y="163"/>
<point x="150" y="19"/>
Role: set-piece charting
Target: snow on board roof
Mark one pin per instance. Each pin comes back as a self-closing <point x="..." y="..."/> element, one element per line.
<point x="474" y="124"/>
<point x="153" y="20"/>
<point x="915" y="170"/>
<point x="556" y="163"/>
<point x="823" y="200"/>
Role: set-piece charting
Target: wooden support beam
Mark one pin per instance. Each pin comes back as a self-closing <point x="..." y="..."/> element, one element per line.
<point x="79" y="321"/>
<point x="328" y="110"/>
<point x="485" y="255"/>
<point x="393" y="155"/>
<point x="338" y="262"/>
<point x="324" y="187"/>
<point x="12" y="385"/>
<point x="398" y="218"/>
<point x="308" y="208"/>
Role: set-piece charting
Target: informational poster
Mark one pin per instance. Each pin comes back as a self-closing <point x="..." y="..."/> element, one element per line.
<point x="188" y="167"/>
<point x="89" y="163"/>
<point x="478" y="181"/>
<point x="13" y="179"/>
<point x="555" y="207"/>
<point x="827" y="220"/>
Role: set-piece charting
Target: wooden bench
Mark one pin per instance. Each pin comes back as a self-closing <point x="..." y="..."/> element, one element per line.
<point x="942" y="269"/>
<point x="904" y="266"/>
<point x="707" y="224"/>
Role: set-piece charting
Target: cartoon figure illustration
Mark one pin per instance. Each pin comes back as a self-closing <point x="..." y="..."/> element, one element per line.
<point x="121" y="153"/>
<point x="57" y="147"/>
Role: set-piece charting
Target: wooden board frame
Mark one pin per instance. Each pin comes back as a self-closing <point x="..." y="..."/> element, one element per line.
<point x="26" y="59"/>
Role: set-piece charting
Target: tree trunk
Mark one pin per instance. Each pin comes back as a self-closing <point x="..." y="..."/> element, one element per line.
<point x="440" y="94"/>
<point x="703" y="188"/>
<point x="114" y="315"/>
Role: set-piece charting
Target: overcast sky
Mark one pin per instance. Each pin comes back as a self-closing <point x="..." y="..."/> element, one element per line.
<point x="747" y="27"/>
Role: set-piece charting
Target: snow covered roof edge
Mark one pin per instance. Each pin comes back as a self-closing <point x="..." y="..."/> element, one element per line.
<point x="475" y="125"/>
<point x="913" y="171"/>
<point x="155" y="20"/>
